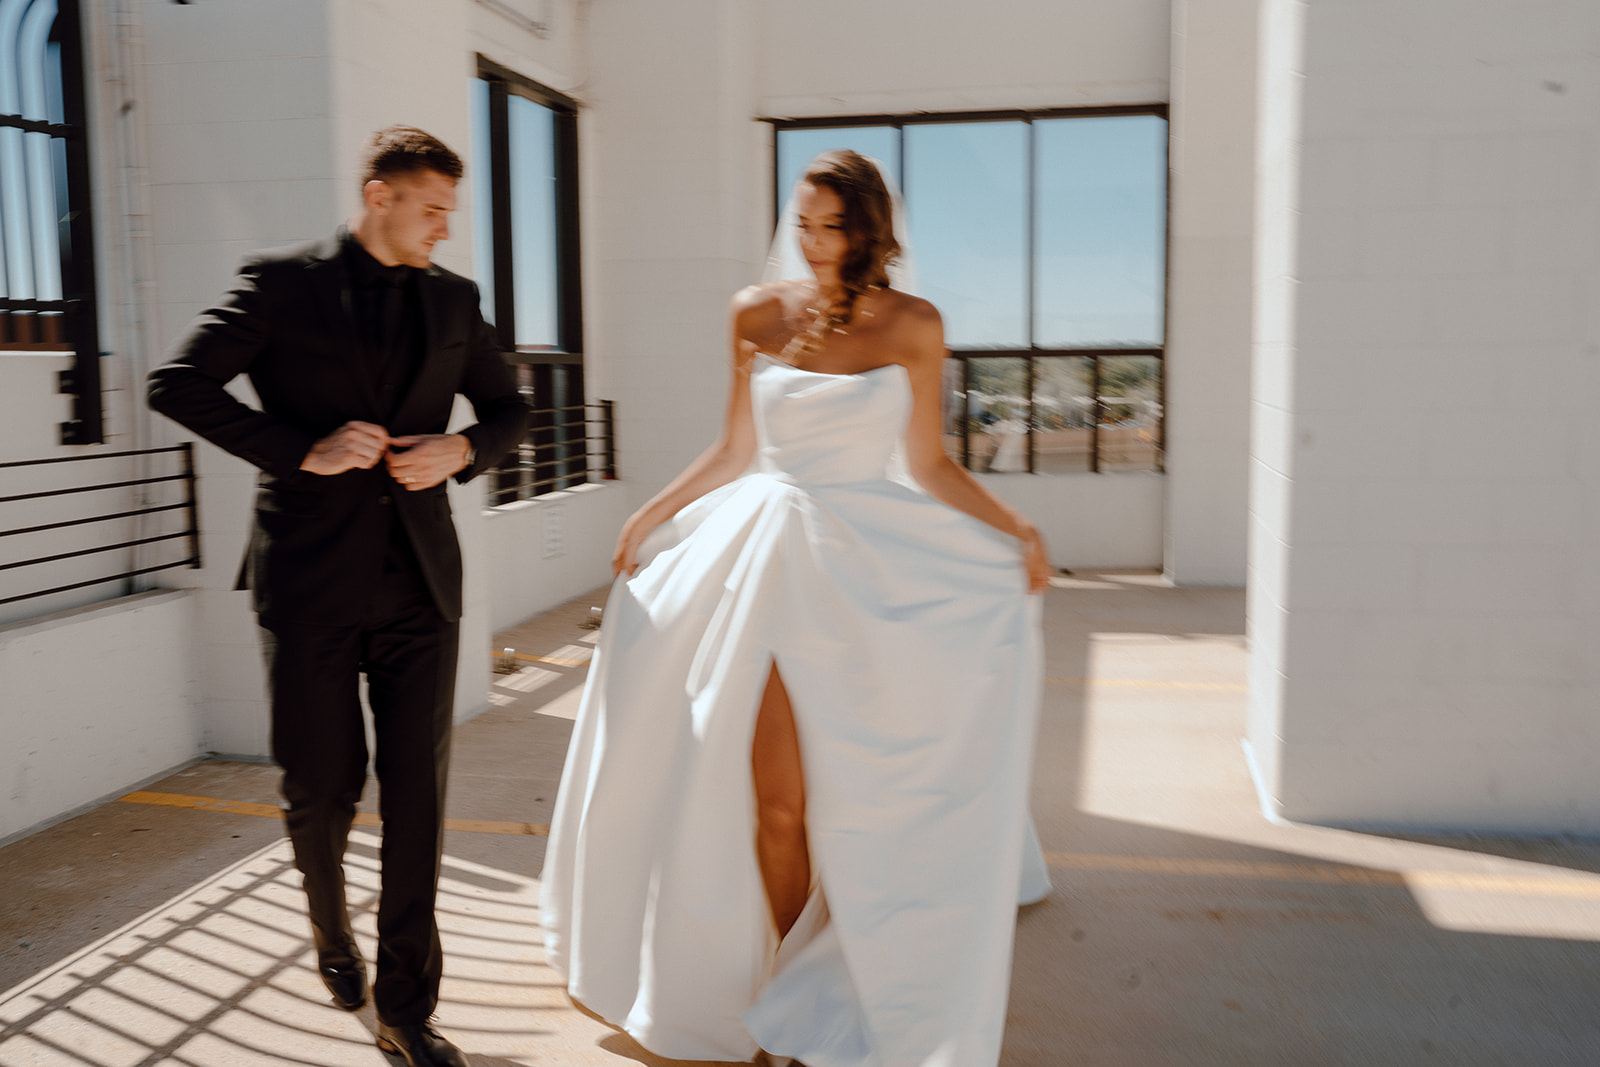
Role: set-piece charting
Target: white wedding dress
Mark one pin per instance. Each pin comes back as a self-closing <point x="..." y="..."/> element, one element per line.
<point x="910" y="649"/>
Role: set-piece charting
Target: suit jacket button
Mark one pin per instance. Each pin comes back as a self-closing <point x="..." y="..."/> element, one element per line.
<point x="384" y="499"/>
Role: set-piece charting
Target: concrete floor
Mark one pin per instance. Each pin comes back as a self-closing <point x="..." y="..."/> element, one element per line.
<point x="1185" y="928"/>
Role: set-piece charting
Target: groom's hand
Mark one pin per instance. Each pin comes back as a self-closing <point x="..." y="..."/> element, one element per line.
<point x="422" y="461"/>
<point x="353" y="445"/>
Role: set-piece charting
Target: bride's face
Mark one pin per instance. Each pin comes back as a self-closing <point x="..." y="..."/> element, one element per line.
<point x="821" y="224"/>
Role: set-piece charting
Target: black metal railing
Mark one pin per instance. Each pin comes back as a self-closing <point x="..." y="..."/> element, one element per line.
<point x="564" y="447"/>
<point x="187" y="507"/>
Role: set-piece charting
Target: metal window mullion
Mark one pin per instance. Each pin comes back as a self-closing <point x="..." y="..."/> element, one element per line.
<point x="1096" y="413"/>
<point x="1030" y="201"/>
<point x="87" y="425"/>
<point x="501" y="255"/>
<point x="966" y="413"/>
<point x="568" y="264"/>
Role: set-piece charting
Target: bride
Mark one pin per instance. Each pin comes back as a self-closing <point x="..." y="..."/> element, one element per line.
<point x="792" y="815"/>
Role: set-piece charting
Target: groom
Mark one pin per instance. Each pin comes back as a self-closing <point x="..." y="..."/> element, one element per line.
<point x="356" y="347"/>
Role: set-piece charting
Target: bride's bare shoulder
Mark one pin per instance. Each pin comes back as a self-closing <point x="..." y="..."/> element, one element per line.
<point x="765" y="297"/>
<point x="760" y="311"/>
<point x="912" y="317"/>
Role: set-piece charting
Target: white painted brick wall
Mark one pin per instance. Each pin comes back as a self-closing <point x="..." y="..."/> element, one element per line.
<point x="96" y="699"/>
<point x="1427" y="358"/>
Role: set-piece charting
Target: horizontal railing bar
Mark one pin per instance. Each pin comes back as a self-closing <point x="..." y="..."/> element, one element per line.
<point x="92" y="551"/>
<point x="94" y="518"/>
<point x="514" y="490"/>
<point x="54" y="129"/>
<point x="1048" y="353"/>
<point x="92" y="455"/>
<point x="36" y="307"/>
<point x="189" y="562"/>
<point x="92" y="488"/>
<point x="553" y="359"/>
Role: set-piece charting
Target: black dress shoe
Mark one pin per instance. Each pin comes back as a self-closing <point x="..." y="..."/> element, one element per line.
<point x="346" y="980"/>
<point x="419" y="1044"/>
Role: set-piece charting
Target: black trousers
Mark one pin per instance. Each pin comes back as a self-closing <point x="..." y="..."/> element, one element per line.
<point x="408" y="652"/>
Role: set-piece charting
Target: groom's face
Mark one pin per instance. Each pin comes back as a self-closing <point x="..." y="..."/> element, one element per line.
<point x="415" y="215"/>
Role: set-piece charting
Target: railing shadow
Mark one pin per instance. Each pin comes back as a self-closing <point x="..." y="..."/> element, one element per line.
<point x="226" y="972"/>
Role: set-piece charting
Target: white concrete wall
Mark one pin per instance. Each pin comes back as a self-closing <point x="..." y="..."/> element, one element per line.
<point x="843" y="57"/>
<point x="1428" y="468"/>
<point x="677" y="180"/>
<point x="1209" y="306"/>
<point x="1090" y="521"/>
<point x="92" y="701"/>
<point x="545" y="551"/>
<point x="1277" y="191"/>
<point x="240" y="156"/>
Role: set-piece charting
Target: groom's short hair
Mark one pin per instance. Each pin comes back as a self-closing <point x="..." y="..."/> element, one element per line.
<point x="397" y="150"/>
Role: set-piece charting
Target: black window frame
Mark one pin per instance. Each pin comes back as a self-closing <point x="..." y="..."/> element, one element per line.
<point x="78" y="306"/>
<point x="552" y="455"/>
<point x="1031" y="352"/>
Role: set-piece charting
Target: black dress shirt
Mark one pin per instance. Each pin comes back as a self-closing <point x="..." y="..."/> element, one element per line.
<point x="388" y="320"/>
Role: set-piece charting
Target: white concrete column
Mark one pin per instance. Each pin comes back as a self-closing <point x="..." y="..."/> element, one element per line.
<point x="678" y="179"/>
<point x="1425" y="586"/>
<point x="1212" y="156"/>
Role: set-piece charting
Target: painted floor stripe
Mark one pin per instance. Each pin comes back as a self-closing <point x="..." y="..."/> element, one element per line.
<point x="1582" y="886"/>
<point x="1126" y="683"/>
<point x="1556" y="885"/>
<point x="363" y="818"/>
<point x="558" y="661"/>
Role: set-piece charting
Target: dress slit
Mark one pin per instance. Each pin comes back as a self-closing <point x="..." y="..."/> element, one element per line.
<point x="782" y="850"/>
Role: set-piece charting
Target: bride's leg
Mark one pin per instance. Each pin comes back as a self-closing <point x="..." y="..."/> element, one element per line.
<point x="780" y="806"/>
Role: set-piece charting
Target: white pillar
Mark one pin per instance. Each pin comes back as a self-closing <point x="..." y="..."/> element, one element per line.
<point x="1212" y="134"/>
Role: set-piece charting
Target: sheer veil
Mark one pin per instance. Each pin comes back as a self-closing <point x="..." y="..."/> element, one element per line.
<point x="786" y="264"/>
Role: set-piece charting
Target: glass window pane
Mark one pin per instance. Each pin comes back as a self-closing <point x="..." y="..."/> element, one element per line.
<point x="798" y="147"/>
<point x="533" y="223"/>
<point x="1063" y="414"/>
<point x="997" y="413"/>
<point x="479" y="175"/>
<point x="1130" y="413"/>
<point x="966" y="206"/>
<point x="1101" y="231"/>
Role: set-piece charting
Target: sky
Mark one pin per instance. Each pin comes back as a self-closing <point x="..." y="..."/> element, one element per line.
<point x="1098" y="186"/>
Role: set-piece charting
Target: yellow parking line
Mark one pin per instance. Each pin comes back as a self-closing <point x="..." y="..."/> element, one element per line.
<point x="363" y="818"/>
<point x="1555" y="885"/>
<point x="1583" y="886"/>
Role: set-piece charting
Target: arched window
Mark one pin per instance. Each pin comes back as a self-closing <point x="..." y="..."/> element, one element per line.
<point x="46" y="251"/>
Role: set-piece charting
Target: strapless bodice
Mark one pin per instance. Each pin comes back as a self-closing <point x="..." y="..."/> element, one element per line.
<point x="827" y="429"/>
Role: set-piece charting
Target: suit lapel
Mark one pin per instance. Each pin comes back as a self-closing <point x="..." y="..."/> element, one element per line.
<point x="338" y="310"/>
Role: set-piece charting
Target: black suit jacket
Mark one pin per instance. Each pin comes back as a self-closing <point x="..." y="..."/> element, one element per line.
<point x="317" y="544"/>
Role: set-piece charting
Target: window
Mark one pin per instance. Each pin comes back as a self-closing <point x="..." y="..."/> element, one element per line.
<point x="523" y="175"/>
<point x="1041" y="236"/>
<point x="47" y="299"/>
